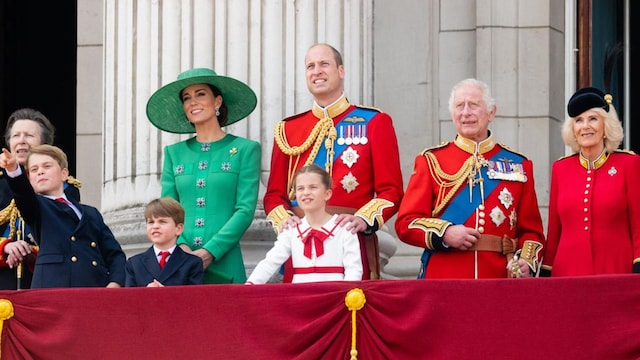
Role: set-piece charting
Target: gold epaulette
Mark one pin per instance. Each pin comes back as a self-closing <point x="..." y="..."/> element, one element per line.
<point x="566" y="156"/>
<point x="8" y="212"/>
<point x="513" y="151"/>
<point x="625" y="151"/>
<point x="368" y="107"/>
<point x="441" y="145"/>
<point x="295" y="116"/>
<point x="75" y="182"/>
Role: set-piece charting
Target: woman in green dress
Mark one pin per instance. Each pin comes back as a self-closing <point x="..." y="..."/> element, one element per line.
<point x="214" y="175"/>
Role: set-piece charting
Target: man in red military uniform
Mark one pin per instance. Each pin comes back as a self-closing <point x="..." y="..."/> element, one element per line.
<point x="471" y="203"/>
<point x="345" y="139"/>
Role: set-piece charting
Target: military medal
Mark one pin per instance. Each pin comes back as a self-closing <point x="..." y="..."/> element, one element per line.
<point x="356" y="137"/>
<point x="506" y="170"/>
<point x="349" y="182"/>
<point x="349" y="157"/>
<point x="341" y="138"/>
<point x="513" y="219"/>
<point x="349" y="139"/>
<point x="363" y="136"/>
<point x="497" y="216"/>
<point x="506" y="199"/>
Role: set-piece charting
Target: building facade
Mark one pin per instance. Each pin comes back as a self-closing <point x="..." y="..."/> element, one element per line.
<point x="400" y="56"/>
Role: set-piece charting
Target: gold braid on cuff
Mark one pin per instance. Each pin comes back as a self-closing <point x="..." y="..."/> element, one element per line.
<point x="371" y="212"/>
<point x="530" y="251"/>
<point x="277" y="217"/>
<point x="430" y="226"/>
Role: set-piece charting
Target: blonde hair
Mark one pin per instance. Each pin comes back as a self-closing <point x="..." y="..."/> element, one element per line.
<point x="53" y="151"/>
<point x="613" y="133"/>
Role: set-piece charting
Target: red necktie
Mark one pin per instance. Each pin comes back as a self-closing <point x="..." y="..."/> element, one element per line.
<point x="314" y="238"/>
<point x="70" y="210"/>
<point x="163" y="258"/>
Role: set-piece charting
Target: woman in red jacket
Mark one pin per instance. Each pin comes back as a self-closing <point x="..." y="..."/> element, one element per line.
<point x="594" y="205"/>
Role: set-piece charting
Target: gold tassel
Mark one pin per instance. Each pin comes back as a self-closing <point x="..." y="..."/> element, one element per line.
<point x="354" y="301"/>
<point x="6" y="313"/>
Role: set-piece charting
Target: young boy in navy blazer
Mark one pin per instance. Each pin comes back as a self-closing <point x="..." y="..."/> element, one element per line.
<point x="77" y="249"/>
<point x="164" y="263"/>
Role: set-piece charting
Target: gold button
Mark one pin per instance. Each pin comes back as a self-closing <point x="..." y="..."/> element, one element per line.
<point x="94" y="263"/>
<point x="586" y="228"/>
<point x="481" y="207"/>
<point x="481" y="221"/>
<point x="93" y="244"/>
<point x="586" y="200"/>
<point x="481" y="229"/>
<point x="586" y="219"/>
<point x="588" y="186"/>
<point x="586" y="209"/>
<point x="586" y="192"/>
<point x="481" y="214"/>
<point x="73" y="238"/>
<point x="74" y="259"/>
<point x="589" y="179"/>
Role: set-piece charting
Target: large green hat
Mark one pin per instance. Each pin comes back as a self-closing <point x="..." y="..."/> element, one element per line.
<point x="164" y="108"/>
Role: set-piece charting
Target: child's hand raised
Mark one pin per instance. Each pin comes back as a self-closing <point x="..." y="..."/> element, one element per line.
<point x="8" y="161"/>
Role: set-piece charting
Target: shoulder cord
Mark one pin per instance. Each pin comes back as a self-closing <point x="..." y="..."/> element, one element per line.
<point x="323" y="129"/>
<point x="444" y="180"/>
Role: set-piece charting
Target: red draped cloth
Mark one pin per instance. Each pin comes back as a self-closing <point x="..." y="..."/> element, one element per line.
<point x="566" y="318"/>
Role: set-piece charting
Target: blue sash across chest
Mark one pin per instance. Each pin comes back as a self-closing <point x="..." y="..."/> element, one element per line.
<point x="363" y="117"/>
<point x="460" y="208"/>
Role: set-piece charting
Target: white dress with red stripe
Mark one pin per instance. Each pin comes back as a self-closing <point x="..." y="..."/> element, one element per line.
<point x="335" y="258"/>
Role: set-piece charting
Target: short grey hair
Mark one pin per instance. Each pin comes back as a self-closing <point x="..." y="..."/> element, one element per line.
<point x="489" y="101"/>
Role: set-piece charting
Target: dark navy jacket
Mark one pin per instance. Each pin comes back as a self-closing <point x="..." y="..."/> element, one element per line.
<point x="181" y="269"/>
<point x="73" y="253"/>
<point x="8" y="276"/>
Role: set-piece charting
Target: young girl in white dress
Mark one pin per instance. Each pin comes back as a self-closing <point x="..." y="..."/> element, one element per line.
<point x="320" y="250"/>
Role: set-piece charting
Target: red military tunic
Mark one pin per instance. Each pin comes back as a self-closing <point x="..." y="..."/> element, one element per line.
<point x="502" y="203"/>
<point x="360" y="136"/>
<point x="594" y="216"/>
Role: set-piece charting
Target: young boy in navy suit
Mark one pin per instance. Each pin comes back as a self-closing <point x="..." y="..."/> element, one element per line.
<point x="77" y="249"/>
<point x="164" y="263"/>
